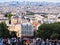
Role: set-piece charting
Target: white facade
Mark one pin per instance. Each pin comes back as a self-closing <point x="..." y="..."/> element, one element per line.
<point x="4" y="19"/>
<point x="27" y="29"/>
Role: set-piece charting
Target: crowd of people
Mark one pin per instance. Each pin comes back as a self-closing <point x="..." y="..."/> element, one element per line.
<point x="10" y="41"/>
<point x="28" y="41"/>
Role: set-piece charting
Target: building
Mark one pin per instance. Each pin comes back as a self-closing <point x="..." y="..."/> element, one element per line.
<point x="16" y="28"/>
<point x="27" y="30"/>
<point x="58" y="18"/>
<point x="4" y="19"/>
<point x="16" y="20"/>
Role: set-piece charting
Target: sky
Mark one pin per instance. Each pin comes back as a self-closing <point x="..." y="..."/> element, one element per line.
<point x="31" y="0"/>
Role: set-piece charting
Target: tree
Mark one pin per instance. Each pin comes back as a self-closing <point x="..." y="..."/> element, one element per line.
<point x="49" y="30"/>
<point x="9" y="15"/>
<point x="4" y="32"/>
<point x="13" y="34"/>
<point x="54" y="35"/>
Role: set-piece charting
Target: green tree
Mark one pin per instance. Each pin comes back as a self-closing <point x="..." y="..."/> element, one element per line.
<point x="9" y="15"/>
<point x="49" y="30"/>
<point x="4" y="32"/>
<point x="54" y="35"/>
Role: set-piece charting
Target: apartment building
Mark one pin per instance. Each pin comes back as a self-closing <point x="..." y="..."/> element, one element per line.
<point x="3" y="19"/>
<point x="16" y="28"/>
<point x="58" y="18"/>
<point x="16" y="20"/>
<point x="27" y="30"/>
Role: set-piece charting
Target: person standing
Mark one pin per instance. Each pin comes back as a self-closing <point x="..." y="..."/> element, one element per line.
<point x="1" y="41"/>
<point x="27" y="42"/>
<point x="47" y="42"/>
<point x="43" y="42"/>
<point x="19" y="41"/>
<point x="9" y="42"/>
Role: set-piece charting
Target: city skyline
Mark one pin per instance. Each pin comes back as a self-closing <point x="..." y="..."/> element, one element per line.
<point x="31" y="0"/>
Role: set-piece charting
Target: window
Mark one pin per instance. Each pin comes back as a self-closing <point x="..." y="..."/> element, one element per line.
<point x="39" y="21"/>
<point x="58" y="17"/>
<point x="23" y="27"/>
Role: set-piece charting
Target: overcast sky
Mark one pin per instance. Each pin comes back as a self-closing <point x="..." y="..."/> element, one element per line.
<point x="31" y="0"/>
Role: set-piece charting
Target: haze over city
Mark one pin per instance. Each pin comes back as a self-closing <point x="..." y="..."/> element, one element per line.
<point x="31" y="0"/>
<point x="29" y="22"/>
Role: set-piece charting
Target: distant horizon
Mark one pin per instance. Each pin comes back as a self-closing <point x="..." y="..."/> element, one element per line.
<point x="55" y="1"/>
